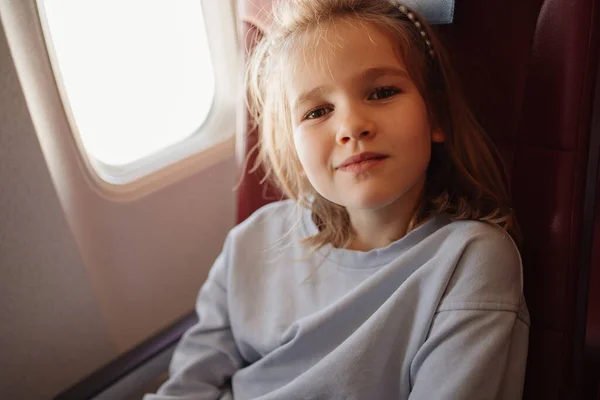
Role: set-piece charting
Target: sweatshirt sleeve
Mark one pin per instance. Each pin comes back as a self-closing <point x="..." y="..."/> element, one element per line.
<point x="207" y="356"/>
<point x="478" y="340"/>
<point x="472" y="354"/>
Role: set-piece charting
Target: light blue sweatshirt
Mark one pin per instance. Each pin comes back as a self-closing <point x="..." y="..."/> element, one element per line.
<point x="438" y="314"/>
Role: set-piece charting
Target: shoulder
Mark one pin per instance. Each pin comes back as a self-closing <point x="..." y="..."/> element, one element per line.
<point x="273" y="220"/>
<point x="479" y="236"/>
<point x="488" y="272"/>
<point x="277" y="213"/>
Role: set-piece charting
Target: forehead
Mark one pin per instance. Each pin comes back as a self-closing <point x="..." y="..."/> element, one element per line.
<point x="338" y="51"/>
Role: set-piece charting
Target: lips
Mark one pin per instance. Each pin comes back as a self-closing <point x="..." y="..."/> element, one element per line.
<point x="357" y="159"/>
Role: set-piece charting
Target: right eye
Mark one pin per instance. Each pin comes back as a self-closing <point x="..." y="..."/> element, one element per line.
<point x="317" y="113"/>
<point x="384" y="93"/>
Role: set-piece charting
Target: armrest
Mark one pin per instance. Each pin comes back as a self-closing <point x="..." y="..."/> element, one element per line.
<point x="137" y="367"/>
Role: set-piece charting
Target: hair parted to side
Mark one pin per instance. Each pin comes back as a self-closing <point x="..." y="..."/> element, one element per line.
<point x="466" y="179"/>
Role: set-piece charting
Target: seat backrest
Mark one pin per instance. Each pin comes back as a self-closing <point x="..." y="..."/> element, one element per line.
<point x="591" y="382"/>
<point x="252" y="192"/>
<point x="529" y="67"/>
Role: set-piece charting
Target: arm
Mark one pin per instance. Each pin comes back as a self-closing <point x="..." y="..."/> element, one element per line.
<point x="477" y="344"/>
<point x="472" y="354"/>
<point x="207" y="356"/>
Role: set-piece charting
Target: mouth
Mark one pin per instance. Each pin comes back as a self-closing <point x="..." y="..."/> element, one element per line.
<point x="361" y="162"/>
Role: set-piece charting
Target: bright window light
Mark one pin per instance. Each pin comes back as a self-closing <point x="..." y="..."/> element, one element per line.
<point x="137" y="74"/>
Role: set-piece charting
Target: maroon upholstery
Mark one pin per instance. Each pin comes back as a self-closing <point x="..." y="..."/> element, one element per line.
<point x="530" y="69"/>
<point x="592" y="342"/>
<point x="251" y="194"/>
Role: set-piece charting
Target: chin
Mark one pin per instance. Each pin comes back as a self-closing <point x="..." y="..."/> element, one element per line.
<point x="366" y="197"/>
<point x="371" y="201"/>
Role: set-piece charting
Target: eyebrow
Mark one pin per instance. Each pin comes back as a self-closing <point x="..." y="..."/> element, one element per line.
<point x="368" y="74"/>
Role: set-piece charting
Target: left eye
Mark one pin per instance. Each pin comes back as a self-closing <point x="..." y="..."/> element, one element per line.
<point x="383" y="93"/>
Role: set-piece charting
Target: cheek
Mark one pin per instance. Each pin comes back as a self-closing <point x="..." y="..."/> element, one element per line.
<point x="311" y="152"/>
<point x="301" y="148"/>
<point x="412" y="145"/>
<point x="420" y="146"/>
<point x="416" y="130"/>
<point x="314" y="158"/>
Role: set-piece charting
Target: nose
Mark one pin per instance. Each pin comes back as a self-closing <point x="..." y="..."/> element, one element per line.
<point x="355" y="125"/>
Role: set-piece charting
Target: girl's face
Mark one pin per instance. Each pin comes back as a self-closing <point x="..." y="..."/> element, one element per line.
<point x="361" y="128"/>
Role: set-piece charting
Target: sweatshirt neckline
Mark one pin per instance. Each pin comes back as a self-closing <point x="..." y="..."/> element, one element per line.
<point x="355" y="259"/>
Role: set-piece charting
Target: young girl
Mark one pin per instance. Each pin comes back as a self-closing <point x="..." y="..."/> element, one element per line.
<point x="390" y="273"/>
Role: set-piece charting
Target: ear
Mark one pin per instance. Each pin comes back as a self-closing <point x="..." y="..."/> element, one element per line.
<point x="438" y="135"/>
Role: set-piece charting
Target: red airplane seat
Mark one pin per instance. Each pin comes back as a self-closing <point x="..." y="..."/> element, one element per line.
<point x="592" y="337"/>
<point x="529" y="69"/>
<point x="253" y="193"/>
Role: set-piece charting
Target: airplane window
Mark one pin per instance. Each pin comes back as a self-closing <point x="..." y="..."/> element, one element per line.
<point x="137" y="74"/>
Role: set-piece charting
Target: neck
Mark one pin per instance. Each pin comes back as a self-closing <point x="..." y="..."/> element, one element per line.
<point x="378" y="228"/>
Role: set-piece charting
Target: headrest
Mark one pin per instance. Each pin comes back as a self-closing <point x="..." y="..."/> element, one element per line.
<point x="436" y="12"/>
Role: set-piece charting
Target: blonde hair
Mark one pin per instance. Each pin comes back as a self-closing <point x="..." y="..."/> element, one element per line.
<point x="465" y="179"/>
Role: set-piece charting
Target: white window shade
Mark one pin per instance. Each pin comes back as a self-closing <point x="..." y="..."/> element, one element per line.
<point x="137" y="75"/>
